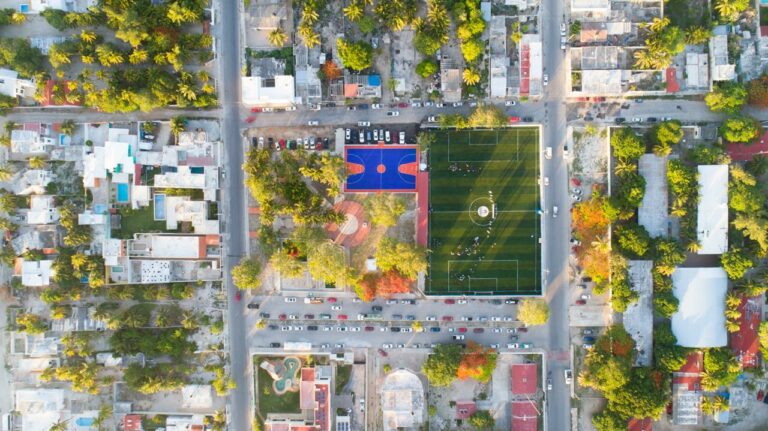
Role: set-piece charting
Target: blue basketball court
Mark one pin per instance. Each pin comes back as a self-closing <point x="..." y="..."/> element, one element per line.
<point x="381" y="168"/>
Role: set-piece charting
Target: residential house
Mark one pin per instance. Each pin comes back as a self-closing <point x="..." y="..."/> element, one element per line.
<point x="11" y="85"/>
<point x="268" y="84"/>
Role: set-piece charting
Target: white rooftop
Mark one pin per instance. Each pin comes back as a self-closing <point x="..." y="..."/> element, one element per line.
<point x="700" y="319"/>
<point x="40" y="409"/>
<point x="712" y="214"/>
<point x="36" y="273"/>
<point x="279" y="90"/>
<point x="42" y="210"/>
<point x="183" y="209"/>
<point x="175" y="247"/>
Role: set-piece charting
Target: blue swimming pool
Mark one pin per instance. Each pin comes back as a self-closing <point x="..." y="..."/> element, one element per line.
<point x="84" y="422"/>
<point x="123" y="193"/>
<point x="159" y="207"/>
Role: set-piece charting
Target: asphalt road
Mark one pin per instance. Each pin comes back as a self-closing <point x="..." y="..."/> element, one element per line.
<point x="233" y="201"/>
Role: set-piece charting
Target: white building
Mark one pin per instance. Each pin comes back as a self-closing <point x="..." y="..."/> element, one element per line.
<point x="30" y="142"/>
<point x="40" y="409"/>
<point x="722" y="70"/>
<point x="594" y="7"/>
<point x="183" y="209"/>
<point x="42" y="210"/>
<point x="700" y="318"/>
<point x="36" y="273"/>
<point x="712" y="214"/>
<point x="277" y="91"/>
<point x="11" y="85"/>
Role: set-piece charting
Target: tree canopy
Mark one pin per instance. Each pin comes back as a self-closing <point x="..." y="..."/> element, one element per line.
<point x="355" y="55"/>
<point x="533" y="312"/>
<point x="727" y="97"/>
<point x="740" y="129"/>
<point x="442" y="365"/>
<point x="626" y="144"/>
<point x="405" y="258"/>
<point x="246" y="275"/>
<point x="384" y="209"/>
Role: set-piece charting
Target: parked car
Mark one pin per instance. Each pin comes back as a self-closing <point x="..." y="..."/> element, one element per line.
<point x="275" y="345"/>
<point x="253" y="306"/>
<point x="313" y="123"/>
<point x="393" y="113"/>
<point x="363" y="124"/>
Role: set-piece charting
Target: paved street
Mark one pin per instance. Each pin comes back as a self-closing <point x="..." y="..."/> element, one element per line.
<point x="234" y="206"/>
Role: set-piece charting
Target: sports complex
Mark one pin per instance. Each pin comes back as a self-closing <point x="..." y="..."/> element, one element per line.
<point x="483" y="215"/>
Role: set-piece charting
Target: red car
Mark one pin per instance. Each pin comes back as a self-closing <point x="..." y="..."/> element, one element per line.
<point x="450" y="301"/>
<point x="250" y="120"/>
<point x="331" y="299"/>
<point x="238" y="296"/>
<point x="342" y="317"/>
<point x="478" y="330"/>
<point x="462" y="330"/>
<point x="581" y="302"/>
<point x="282" y="144"/>
<point x="383" y="353"/>
<point x="255" y="109"/>
<point x="402" y="105"/>
<point x="448" y="318"/>
<point x="514" y="120"/>
<point x="309" y="316"/>
<point x="282" y="317"/>
<point x="523" y="329"/>
<point x="369" y="329"/>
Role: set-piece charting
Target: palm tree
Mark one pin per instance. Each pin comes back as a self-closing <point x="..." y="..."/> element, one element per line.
<point x="308" y="35"/>
<point x="88" y="36"/>
<point x="36" y="163"/>
<point x="59" y="426"/>
<point x="732" y="300"/>
<point x="277" y="37"/>
<point x="471" y="77"/>
<point x="188" y="319"/>
<point x="662" y="149"/>
<point x="728" y="9"/>
<point x="177" y="125"/>
<point x="644" y="60"/>
<point x="732" y="325"/>
<point x="18" y="18"/>
<point x="354" y="11"/>
<point x="309" y="14"/>
<point x="694" y="246"/>
<point x="5" y="173"/>
<point x="658" y="24"/>
<point x="601" y="244"/>
<point x="138" y="56"/>
<point x="624" y="167"/>
<point x="68" y="127"/>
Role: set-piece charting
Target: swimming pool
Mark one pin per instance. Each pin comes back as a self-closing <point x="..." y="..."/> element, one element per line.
<point x="159" y="207"/>
<point x="122" y="193"/>
<point x="84" y="422"/>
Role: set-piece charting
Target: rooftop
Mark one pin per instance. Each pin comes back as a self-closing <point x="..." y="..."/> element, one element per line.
<point x="712" y="214"/>
<point x="700" y="319"/>
<point x="745" y="342"/>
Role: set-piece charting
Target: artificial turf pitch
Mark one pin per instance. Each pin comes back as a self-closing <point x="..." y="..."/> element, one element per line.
<point x="476" y="254"/>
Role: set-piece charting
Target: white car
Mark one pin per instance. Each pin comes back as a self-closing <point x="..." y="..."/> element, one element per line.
<point x="375" y="106"/>
<point x="431" y="318"/>
<point x="336" y="307"/>
<point x="325" y="346"/>
<point x="363" y="123"/>
<point x="554" y="212"/>
<point x="298" y="328"/>
<point x="348" y="134"/>
<point x="432" y="119"/>
<point x="327" y="328"/>
<point x="355" y="329"/>
<point x="293" y="316"/>
<point x="457" y="104"/>
<point x="562" y="29"/>
<point x="496" y="330"/>
<point x="509" y="319"/>
<point x="391" y="301"/>
<point x="451" y="329"/>
<point x="406" y="329"/>
<point x="495" y="319"/>
<point x="546" y="79"/>
<point x="494" y="346"/>
<point x="387" y="346"/>
<point x="290" y="108"/>
<point x="510" y="103"/>
<point x="464" y="319"/>
<point x="312" y="123"/>
<point x="458" y="337"/>
<point x="290" y="299"/>
<point x="461" y="301"/>
<point x="341" y="329"/>
<point x="393" y="113"/>
<point x="549" y="384"/>
<point x="383" y="329"/>
<point x="416" y="105"/>
<point x="375" y="134"/>
<point x="268" y="110"/>
<point x="568" y="376"/>
<point x="546" y="181"/>
<point x="439" y="105"/>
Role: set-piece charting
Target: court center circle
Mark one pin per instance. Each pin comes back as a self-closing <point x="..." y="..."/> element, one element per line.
<point x="483" y="211"/>
<point x="381" y="168"/>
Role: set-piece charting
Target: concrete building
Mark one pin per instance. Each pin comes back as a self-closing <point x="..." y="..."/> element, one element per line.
<point x="638" y="318"/>
<point x="593" y="7"/>
<point x="531" y="66"/>
<point x="30" y="142"/>
<point x="42" y="210"/>
<point x="362" y="86"/>
<point x="652" y="213"/>
<point x="722" y="70"/>
<point x="712" y="214"/>
<point x="450" y="80"/>
<point x="499" y="59"/>
<point x="402" y="401"/>
<point x="40" y="409"/>
<point x="268" y="84"/>
<point x="11" y="85"/>
<point x="700" y="320"/>
<point x="182" y="209"/>
<point x="36" y="273"/>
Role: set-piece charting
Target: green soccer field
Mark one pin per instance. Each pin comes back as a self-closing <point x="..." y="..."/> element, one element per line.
<point x="484" y="225"/>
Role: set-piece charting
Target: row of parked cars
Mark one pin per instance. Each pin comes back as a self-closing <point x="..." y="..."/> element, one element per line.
<point x="308" y="143"/>
<point x="373" y="136"/>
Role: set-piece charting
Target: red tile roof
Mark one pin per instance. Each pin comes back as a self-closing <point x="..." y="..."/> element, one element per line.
<point x="524" y="379"/>
<point x="745" y="343"/>
<point x="672" y="85"/>
<point x="525" y="416"/>
<point x="465" y="409"/>
<point x="132" y="423"/>
<point x="636" y="424"/>
<point x="745" y="152"/>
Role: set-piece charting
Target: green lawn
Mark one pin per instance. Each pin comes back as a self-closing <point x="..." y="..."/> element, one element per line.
<point x="269" y="402"/>
<point x="138" y="221"/>
<point x="687" y="13"/>
<point x="497" y="253"/>
<point x="343" y="372"/>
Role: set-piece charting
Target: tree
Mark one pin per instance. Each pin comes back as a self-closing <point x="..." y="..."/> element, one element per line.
<point x="740" y="129"/>
<point x="626" y="144"/>
<point x="247" y="274"/>
<point x="757" y="91"/>
<point x="427" y="68"/>
<point x="721" y="368"/>
<point x="395" y="14"/>
<point x="608" y="421"/>
<point x="154" y="379"/>
<point x="668" y="355"/>
<point x="763" y="337"/>
<point x="477" y="363"/>
<point x="178" y="125"/>
<point x="482" y="420"/>
<point x="633" y="239"/>
<point x="665" y="304"/>
<point x="442" y="365"/>
<point x="277" y="37"/>
<point x="533" y="312"/>
<point x="330" y="70"/>
<point x="697" y="35"/>
<point x="470" y="76"/>
<point x="36" y="162"/>
<point x="727" y="97"/>
<point x="328" y="263"/>
<point x="287" y="266"/>
<point x="384" y="209"/>
<point x="753" y="226"/>
<point x="325" y="169"/>
<point x="425" y="140"/>
<point x="736" y="263"/>
<point x="68" y="127"/>
<point x="409" y="260"/>
<point x="730" y="10"/>
<point x="471" y="49"/>
<point x="487" y="116"/>
<point x="668" y="132"/>
<point x="355" y="55"/>
<point x="355" y="10"/>
<point x="31" y="323"/>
